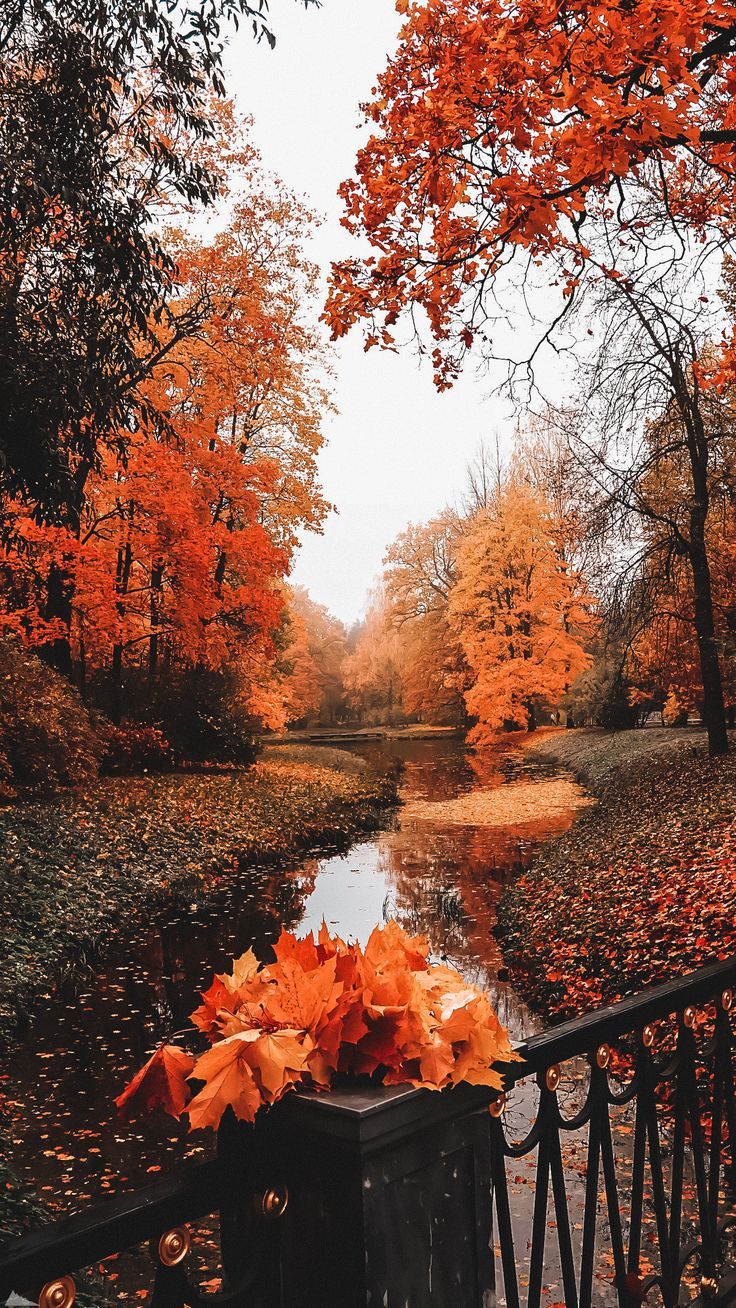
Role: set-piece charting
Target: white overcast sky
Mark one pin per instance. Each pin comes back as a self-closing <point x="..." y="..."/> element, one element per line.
<point x="397" y="451"/>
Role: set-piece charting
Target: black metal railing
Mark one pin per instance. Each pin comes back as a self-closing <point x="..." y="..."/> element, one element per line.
<point x="624" y="1120"/>
<point x="655" y="1215"/>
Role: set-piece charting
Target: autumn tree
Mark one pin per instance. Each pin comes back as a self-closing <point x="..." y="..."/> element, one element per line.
<point x="597" y="143"/>
<point x="484" y="476"/>
<point x="665" y="655"/>
<point x="544" y="458"/>
<point x="302" y="691"/>
<point x="182" y="548"/>
<point x="372" y="670"/>
<point x="104" y="114"/>
<point x="505" y="129"/>
<point x="519" y="611"/>
<point x="315" y="657"/>
<point x="419" y="575"/>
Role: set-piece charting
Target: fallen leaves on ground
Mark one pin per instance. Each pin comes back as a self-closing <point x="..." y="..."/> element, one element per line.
<point x="74" y="869"/>
<point x="641" y="887"/>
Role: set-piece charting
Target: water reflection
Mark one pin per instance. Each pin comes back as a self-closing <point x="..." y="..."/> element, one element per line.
<point x="439" y="879"/>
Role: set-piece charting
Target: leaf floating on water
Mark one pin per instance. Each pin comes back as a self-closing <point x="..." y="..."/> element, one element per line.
<point x="512" y="805"/>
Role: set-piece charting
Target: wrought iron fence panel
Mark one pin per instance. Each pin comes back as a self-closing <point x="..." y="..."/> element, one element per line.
<point x="619" y="1126"/>
<point x="666" y="1058"/>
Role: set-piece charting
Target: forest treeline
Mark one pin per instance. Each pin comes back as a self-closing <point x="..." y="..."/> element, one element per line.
<point x="545" y="596"/>
<point x="163" y="391"/>
<point x="164" y="384"/>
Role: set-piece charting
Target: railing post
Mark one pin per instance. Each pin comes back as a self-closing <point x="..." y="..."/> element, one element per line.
<point x="389" y="1198"/>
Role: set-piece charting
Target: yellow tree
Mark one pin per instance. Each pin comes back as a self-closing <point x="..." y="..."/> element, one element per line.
<point x="419" y="577"/>
<point x="372" y="670"/>
<point x="314" y="658"/>
<point x="518" y="610"/>
<point x="301" y="688"/>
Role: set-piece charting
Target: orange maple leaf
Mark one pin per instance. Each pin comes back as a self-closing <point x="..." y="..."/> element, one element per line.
<point x="299" y="999"/>
<point x="228" y="1082"/>
<point x="160" y="1083"/>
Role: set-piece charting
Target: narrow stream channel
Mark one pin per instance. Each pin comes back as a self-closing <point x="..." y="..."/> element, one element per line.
<point x="437" y="867"/>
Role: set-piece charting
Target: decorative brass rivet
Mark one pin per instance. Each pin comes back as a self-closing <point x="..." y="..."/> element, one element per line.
<point x="174" y="1246"/>
<point x="602" y="1056"/>
<point x="688" y="1017"/>
<point x="58" y="1294"/>
<point x="647" y="1036"/>
<point x="497" y="1107"/>
<point x="273" y="1203"/>
<point x="709" y="1287"/>
<point x="727" y="1000"/>
<point x="552" y="1079"/>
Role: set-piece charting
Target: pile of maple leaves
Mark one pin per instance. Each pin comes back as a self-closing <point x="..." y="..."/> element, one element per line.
<point x="320" y="1010"/>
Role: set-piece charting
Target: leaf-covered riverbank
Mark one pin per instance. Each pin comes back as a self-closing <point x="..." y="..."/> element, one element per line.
<point x="643" y="885"/>
<point x="79" y="868"/>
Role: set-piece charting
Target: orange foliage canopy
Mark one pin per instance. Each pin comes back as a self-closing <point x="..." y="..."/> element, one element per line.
<point x="313" y="660"/>
<point x="406" y="663"/>
<point x="319" y="1009"/>
<point x="519" y="610"/>
<point x="419" y="577"/>
<point x="502" y="125"/>
<point x="372" y="671"/>
<point x="185" y="541"/>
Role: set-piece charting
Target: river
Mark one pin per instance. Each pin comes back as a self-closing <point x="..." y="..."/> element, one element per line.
<point x="468" y="821"/>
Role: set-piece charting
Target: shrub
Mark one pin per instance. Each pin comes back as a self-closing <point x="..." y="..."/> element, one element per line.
<point x="133" y="747"/>
<point x="47" y="737"/>
<point x="205" y="718"/>
<point x="601" y="696"/>
<point x="200" y="713"/>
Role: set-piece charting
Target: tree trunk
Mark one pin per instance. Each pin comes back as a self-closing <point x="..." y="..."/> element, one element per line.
<point x="82" y="669"/>
<point x="60" y="586"/>
<point x="714" y="712"/>
<point x="116" y="683"/>
<point x="124" y="565"/>
<point x="59" y="596"/>
<point x="157" y="574"/>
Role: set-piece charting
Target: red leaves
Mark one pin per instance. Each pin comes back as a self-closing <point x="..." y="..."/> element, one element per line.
<point x="322" y="1008"/>
<point x="161" y="1083"/>
<point x="496" y="123"/>
<point x="634" y="1287"/>
<point x="646" y="884"/>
